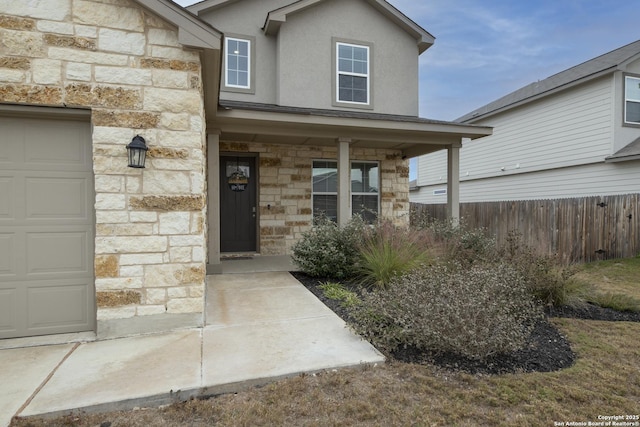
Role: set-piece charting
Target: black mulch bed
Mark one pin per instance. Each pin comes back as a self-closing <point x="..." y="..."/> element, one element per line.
<point x="593" y="312"/>
<point x="547" y="349"/>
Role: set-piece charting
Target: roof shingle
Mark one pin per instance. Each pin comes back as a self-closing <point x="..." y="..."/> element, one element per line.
<point x="601" y="64"/>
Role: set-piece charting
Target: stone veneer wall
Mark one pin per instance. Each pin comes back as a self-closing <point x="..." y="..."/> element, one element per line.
<point x="285" y="184"/>
<point x="127" y="66"/>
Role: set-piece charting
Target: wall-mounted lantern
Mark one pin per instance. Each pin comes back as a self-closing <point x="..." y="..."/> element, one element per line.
<point x="137" y="150"/>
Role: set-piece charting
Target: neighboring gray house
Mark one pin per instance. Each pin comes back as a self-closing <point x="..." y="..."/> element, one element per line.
<point x="574" y="134"/>
<point x="241" y="104"/>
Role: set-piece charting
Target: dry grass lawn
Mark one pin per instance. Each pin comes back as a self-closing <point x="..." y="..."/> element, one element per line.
<point x="620" y="276"/>
<point x="604" y="381"/>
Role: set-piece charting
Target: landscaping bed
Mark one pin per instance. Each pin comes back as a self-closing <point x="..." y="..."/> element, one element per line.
<point x="593" y="312"/>
<point x="547" y="350"/>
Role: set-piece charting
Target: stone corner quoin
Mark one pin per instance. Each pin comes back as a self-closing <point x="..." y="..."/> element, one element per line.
<point x="126" y="66"/>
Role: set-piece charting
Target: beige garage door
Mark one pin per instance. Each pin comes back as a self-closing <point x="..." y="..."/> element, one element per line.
<point x="46" y="227"/>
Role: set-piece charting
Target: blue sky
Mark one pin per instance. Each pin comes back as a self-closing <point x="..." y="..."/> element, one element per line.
<point x="487" y="49"/>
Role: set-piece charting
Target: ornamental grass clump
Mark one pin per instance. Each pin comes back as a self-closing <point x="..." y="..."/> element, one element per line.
<point x="473" y="311"/>
<point x="388" y="251"/>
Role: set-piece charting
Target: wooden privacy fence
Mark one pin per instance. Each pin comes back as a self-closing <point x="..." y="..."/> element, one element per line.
<point x="578" y="230"/>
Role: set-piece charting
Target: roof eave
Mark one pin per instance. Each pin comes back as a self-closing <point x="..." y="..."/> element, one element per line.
<point x="424" y="39"/>
<point x="192" y="31"/>
<point x="415" y="138"/>
<point x="538" y="96"/>
<point x="617" y="159"/>
<point x="196" y="34"/>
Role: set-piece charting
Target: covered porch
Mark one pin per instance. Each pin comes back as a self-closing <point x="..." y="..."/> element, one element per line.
<point x="343" y="136"/>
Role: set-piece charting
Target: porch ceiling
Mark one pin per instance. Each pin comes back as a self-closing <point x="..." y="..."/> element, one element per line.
<point x="238" y="121"/>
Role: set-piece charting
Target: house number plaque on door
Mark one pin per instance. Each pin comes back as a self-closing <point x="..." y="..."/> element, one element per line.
<point x="238" y="181"/>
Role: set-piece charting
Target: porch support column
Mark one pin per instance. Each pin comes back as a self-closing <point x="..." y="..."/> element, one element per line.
<point x="213" y="204"/>
<point x="344" y="182"/>
<point x="453" y="183"/>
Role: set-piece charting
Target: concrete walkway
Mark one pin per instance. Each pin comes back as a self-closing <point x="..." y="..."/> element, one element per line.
<point x="260" y="327"/>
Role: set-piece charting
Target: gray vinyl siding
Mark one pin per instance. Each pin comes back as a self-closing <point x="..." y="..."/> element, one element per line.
<point x="432" y="168"/>
<point x="579" y="181"/>
<point x="562" y="131"/>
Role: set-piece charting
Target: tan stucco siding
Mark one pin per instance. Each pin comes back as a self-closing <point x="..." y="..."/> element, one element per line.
<point x="307" y="67"/>
<point x="294" y="67"/>
<point x="126" y="66"/>
<point x="239" y="20"/>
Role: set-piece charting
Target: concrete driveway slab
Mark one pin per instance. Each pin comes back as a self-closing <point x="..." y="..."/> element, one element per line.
<point x="119" y="370"/>
<point x="22" y="371"/>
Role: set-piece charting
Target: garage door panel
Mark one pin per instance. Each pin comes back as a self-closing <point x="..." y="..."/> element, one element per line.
<point x="56" y="253"/>
<point x="8" y="311"/>
<point x="8" y="249"/>
<point x="13" y="140"/>
<point x="53" y="144"/>
<point x="58" y="307"/>
<point x="7" y="204"/>
<point x="47" y="227"/>
<point x="56" y="198"/>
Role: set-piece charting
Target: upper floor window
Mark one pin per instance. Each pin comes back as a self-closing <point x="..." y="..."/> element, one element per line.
<point x="237" y="71"/>
<point x="352" y="73"/>
<point x="632" y="100"/>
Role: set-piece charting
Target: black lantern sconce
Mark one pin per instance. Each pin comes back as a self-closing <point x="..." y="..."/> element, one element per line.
<point x="137" y="150"/>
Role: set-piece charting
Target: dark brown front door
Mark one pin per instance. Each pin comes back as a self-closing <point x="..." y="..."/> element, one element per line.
<point x="238" y="204"/>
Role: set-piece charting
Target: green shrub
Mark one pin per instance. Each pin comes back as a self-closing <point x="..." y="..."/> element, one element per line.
<point x="338" y="292"/>
<point x="547" y="279"/>
<point x="460" y="243"/>
<point x="328" y="250"/>
<point x="419" y="219"/>
<point x="388" y="251"/>
<point x="618" y="302"/>
<point x="474" y="311"/>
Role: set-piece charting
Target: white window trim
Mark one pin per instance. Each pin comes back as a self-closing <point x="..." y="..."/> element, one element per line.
<point x="627" y="79"/>
<point x="251" y="54"/>
<point x="339" y="73"/>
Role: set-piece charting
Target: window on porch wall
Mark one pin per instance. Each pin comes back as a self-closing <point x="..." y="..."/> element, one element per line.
<point x="365" y="185"/>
